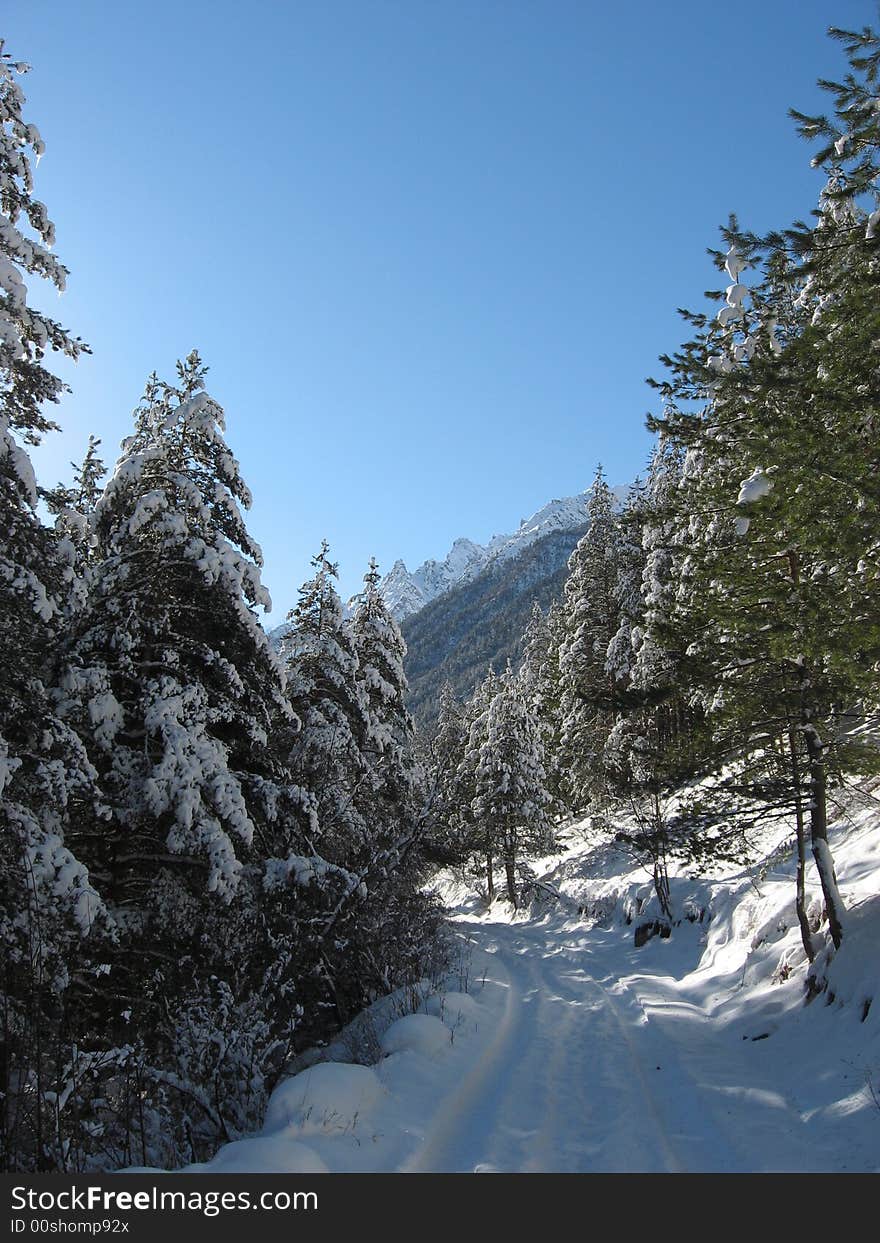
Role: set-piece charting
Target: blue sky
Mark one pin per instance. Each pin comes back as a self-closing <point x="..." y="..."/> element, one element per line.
<point x="430" y="251"/>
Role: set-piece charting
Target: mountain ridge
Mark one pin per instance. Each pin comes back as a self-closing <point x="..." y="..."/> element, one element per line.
<point x="407" y="592"/>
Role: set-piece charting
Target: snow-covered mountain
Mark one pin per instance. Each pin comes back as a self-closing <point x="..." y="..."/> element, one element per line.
<point x="407" y="592"/>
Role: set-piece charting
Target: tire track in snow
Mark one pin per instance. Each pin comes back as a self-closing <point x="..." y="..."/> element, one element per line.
<point x="671" y="1160"/>
<point x="559" y="1087"/>
<point x="437" y="1153"/>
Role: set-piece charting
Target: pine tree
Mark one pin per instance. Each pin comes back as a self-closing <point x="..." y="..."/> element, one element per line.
<point x="654" y="744"/>
<point x="52" y="920"/>
<point x="475" y="832"/>
<point x="782" y="486"/>
<point x="541" y="689"/>
<point x="590" y="622"/>
<point x="630" y="559"/>
<point x="447" y="817"/>
<point x="393" y="925"/>
<point x="74" y="506"/>
<point x="381" y="652"/>
<point x="510" y="797"/>
<point x="321" y="663"/>
<point x="171" y="680"/>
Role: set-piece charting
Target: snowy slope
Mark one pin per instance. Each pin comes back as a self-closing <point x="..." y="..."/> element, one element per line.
<point x="407" y="592"/>
<point x="556" y="1045"/>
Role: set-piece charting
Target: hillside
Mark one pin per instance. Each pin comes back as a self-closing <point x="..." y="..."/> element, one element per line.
<point x="458" y="635"/>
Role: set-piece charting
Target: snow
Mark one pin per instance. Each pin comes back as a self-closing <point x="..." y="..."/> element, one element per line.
<point x="262" y="1155"/>
<point x="775" y="345"/>
<point x="852" y="973"/>
<point x="754" y="488"/>
<point x="734" y="264"/>
<point x="728" y="315"/>
<point x="557" y="1045"/>
<point x="327" y="1097"/>
<point x="19" y="462"/>
<point x="719" y="363"/>
<point x="417" y="1033"/>
<point x="455" y="1009"/>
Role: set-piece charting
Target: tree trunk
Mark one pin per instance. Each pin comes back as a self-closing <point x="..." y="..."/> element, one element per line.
<point x="819" y="833"/>
<point x="800" y="900"/>
<point x="658" y="852"/>
<point x="510" y="869"/>
<point x="490" y="879"/>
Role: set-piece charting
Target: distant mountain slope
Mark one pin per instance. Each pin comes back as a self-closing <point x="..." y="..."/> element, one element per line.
<point x="459" y="634"/>
<point x="468" y="611"/>
<point x="407" y="592"/>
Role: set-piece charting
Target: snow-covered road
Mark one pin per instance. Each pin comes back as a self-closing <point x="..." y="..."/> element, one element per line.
<point x="588" y="1071"/>
<point x="557" y="1045"/>
<point x="562" y="1085"/>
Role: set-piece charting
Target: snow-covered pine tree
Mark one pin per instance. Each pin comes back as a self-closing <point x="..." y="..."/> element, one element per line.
<point x="784" y="459"/>
<point x="83" y="494"/>
<point x="172" y="681"/>
<point x="734" y="609"/>
<point x="321" y="664"/>
<point x="475" y="833"/>
<point x="446" y="805"/>
<point x="628" y="591"/>
<point x="74" y="507"/>
<point x="652" y="746"/>
<point x="396" y="924"/>
<point x="510" y="795"/>
<point x="52" y="921"/>
<point x="381" y="651"/>
<point x="590" y="621"/>
<point x="540" y="686"/>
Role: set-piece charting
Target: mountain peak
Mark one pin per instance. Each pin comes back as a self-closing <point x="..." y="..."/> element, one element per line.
<point x="406" y="593"/>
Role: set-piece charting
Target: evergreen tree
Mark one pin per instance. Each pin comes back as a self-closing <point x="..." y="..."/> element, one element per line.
<point x="52" y="920"/>
<point x="171" y="680"/>
<point x="393" y="924"/>
<point x="541" y="689"/>
<point x="630" y="558"/>
<point x="447" y="805"/>
<point x="510" y="797"/>
<point x="476" y="832"/>
<point x="74" y="506"/>
<point x="589" y="624"/>
<point x="782" y="485"/>
<point x="327" y="756"/>
<point x="381" y="652"/>
<point x="653" y="746"/>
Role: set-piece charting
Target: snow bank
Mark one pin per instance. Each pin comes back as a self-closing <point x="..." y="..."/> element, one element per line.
<point x="262" y="1155"/>
<point x="454" y="1009"/>
<point x="417" y="1033"/>
<point x="851" y="976"/>
<point x="330" y="1096"/>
